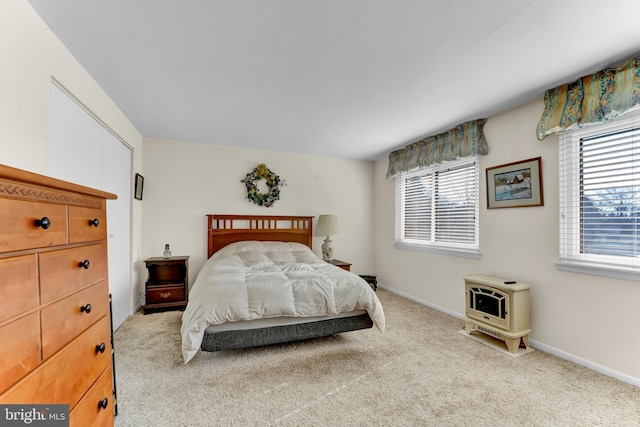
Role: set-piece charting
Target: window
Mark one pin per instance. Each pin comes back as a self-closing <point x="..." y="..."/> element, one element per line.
<point x="600" y="199"/>
<point x="437" y="209"/>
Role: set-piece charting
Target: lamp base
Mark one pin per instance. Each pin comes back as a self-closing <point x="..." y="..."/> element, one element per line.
<point x="327" y="249"/>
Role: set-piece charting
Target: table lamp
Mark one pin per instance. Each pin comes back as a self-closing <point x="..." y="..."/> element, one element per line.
<point x="327" y="226"/>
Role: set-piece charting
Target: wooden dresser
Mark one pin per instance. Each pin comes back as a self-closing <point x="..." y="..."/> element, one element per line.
<point x="55" y="345"/>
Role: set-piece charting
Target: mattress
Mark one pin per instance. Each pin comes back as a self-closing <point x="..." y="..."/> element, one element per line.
<point x="243" y="325"/>
<point x="270" y="281"/>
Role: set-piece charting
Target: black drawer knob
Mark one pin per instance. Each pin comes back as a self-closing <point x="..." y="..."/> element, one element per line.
<point x="95" y="222"/>
<point x="85" y="309"/>
<point x="103" y="403"/>
<point x="101" y="348"/>
<point x="84" y="264"/>
<point x="43" y="223"/>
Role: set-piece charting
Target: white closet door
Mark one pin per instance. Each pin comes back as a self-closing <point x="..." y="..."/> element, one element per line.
<point x="116" y="178"/>
<point x="84" y="152"/>
<point x="75" y="142"/>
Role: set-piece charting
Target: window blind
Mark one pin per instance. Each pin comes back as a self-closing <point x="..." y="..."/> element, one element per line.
<point x="456" y="205"/>
<point x="438" y="206"/>
<point x="600" y="194"/>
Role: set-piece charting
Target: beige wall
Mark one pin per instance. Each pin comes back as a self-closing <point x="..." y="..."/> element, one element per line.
<point x="588" y="319"/>
<point x="31" y="57"/>
<point x="184" y="181"/>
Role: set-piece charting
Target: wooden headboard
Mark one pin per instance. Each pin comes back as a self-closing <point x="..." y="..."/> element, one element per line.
<point x="225" y="229"/>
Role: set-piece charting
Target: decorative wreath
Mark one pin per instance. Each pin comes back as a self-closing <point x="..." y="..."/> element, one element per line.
<point x="273" y="182"/>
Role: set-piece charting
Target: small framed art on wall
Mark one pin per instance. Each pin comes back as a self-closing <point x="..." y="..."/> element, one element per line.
<point x="138" y="187"/>
<point x="515" y="185"/>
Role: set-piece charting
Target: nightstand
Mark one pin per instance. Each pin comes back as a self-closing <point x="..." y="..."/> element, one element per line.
<point x="167" y="286"/>
<point x="371" y="280"/>
<point x="343" y="265"/>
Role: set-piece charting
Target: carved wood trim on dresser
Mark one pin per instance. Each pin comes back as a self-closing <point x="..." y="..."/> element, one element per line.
<point x="54" y="296"/>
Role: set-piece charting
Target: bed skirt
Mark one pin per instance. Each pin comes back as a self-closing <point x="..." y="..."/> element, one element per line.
<point x="226" y="340"/>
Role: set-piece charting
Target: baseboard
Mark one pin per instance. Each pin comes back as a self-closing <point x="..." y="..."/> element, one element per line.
<point x="586" y="363"/>
<point x="420" y="301"/>
<point x="533" y="343"/>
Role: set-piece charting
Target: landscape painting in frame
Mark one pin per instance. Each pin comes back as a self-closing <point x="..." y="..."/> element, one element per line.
<point x="514" y="185"/>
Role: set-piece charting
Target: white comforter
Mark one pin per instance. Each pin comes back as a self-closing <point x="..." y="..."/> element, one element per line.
<point x="253" y="280"/>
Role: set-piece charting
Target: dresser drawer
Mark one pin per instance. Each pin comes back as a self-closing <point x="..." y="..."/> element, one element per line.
<point x="18" y="229"/>
<point x="87" y="224"/>
<point x="61" y="273"/>
<point x="93" y="410"/>
<point x="67" y="318"/>
<point x="19" y="349"/>
<point x="160" y="294"/>
<point x="65" y="377"/>
<point x="18" y="286"/>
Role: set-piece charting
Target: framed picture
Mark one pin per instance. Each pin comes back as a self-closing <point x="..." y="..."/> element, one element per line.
<point x="515" y="185"/>
<point x="139" y="186"/>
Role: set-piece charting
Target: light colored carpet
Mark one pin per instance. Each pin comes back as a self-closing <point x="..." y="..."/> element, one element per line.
<point x="421" y="372"/>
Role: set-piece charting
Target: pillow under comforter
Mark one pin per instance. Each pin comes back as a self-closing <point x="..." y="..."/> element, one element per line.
<point x="254" y="280"/>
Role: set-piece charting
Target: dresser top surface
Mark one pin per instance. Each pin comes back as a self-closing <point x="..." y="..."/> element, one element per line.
<point x="162" y="259"/>
<point x="19" y="175"/>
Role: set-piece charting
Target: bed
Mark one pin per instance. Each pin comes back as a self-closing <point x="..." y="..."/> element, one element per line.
<point x="262" y="284"/>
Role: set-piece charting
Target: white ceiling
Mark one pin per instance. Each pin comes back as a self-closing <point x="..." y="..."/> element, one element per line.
<point x="343" y="78"/>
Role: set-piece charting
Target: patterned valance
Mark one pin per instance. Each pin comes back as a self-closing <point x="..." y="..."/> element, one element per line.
<point x="592" y="99"/>
<point x="464" y="140"/>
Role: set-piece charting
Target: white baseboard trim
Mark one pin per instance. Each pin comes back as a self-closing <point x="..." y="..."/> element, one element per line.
<point x="586" y="363"/>
<point x="536" y="344"/>
<point x="421" y="301"/>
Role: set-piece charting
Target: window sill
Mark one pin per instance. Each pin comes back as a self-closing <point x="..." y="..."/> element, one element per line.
<point x="616" y="272"/>
<point x="464" y="253"/>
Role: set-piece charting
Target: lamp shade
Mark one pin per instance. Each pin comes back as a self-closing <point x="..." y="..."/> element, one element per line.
<point x="327" y="225"/>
